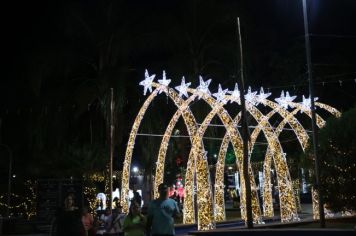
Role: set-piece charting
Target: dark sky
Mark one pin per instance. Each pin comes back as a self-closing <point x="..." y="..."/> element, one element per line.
<point x="269" y="27"/>
<point x="65" y="37"/>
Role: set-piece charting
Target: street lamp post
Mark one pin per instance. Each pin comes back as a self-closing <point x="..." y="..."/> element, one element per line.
<point x="312" y="108"/>
<point x="245" y="138"/>
<point x="112" y="126"/>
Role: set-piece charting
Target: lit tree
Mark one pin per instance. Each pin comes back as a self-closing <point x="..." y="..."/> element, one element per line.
<point x="337" y="151"/>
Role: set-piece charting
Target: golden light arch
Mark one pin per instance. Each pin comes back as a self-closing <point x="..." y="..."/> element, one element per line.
<point x="189" y="210"/>
<point x="202" y="166"/>
<point x="219" y="193"/>
<point x="189" y="215"/>
<point x="267" y="187"/>
<point x="124" y="201"/>
<point x="188" y="119"/>
<point x="287" y="199"/>
<point x="217" y="109"/>
<point x="205" y="217"/>
<point x="288" y="208"/>
<point x="203" y="180"/>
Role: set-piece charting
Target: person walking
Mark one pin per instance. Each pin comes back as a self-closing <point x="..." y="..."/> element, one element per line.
<point x="161" y="211"/>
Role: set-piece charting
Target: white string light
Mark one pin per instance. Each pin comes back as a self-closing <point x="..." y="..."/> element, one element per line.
<point x="205" y="212"/>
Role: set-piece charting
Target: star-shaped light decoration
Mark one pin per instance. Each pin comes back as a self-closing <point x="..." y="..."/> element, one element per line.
<point x="182" y="88"/>
<point x="290" y="98"/>
<point x="281" y="100"/>
<point x="285" y="100"/>
<point x="235" y="94"/>
<point x="306" y="104"/>
<point x="251" y="97"/>
<point x="203" y="87"/>
<point x="262" y="96"/>
<point x="220" y="95"/>
<point x="163" y="82"/>
<point x="147" y="82"/>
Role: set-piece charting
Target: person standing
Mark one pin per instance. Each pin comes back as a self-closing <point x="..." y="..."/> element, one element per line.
<point x="69" y="219"/>
<point x="117" y="222"/>
<point x="161" y="211"/>
<point x="135" y="222"/>
<point x="137" y="198"/>
<point x="104" y="222"/>
<point x="88" y="223"/>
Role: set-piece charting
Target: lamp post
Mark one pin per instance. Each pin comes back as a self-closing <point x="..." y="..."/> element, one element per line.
<point x="9" y="178"/>
<point x="312" y="108"/>
<point x="245" y="138"/>
<point x="111" y="145"/>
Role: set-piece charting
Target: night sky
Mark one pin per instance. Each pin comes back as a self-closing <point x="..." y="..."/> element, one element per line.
<point x="56" y="52"/>
<point x="34" y="30"/>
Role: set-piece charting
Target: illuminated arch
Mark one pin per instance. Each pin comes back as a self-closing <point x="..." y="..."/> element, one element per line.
<point x="219" y="192"/>
<point x="165" y="141"/>
<point x="288" y="208"/>
<point x="129" y="150"/>
<point x="302" y="138"/>
<point x="219" y="176"/>
<point x="189" y="216"/>
<point x="202" y="166"/>
<point x="267" y="188"/>
<point x="188" y="119"/>
<point x="188" y="203"/>
<point x="205" y="214"/>
<point x="328" y="108"/>
<point x="236" y="140"/>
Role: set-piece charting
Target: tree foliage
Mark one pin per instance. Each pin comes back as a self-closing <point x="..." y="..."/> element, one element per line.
<point x="337" y="151"/>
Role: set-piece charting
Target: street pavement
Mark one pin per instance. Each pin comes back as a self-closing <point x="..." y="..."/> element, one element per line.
<point x="231" y="224"/>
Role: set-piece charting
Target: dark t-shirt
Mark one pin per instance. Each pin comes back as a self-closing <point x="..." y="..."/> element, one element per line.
<point x="69" y="223"/>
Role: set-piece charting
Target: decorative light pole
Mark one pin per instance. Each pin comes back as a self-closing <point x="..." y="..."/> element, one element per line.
<point x="312" y="108"/>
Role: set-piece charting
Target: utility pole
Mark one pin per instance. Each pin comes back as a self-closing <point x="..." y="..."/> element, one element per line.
<point x="245" y="137"/>
<point x="111" y="145"/>
<point x="312" y="108"/>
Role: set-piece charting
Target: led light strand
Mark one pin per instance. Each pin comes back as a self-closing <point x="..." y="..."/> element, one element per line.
<point x="197" y="163"/>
